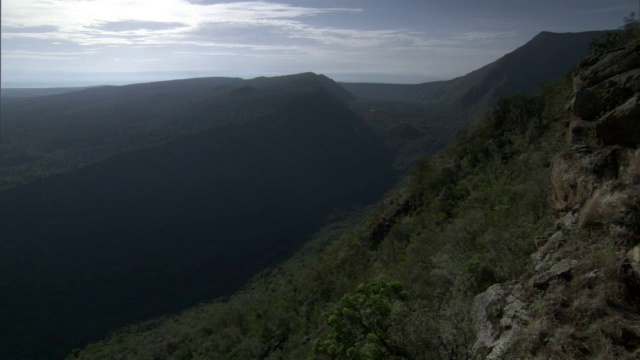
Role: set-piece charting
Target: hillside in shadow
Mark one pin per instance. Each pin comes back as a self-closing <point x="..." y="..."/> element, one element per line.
<point x="165" y="226"/>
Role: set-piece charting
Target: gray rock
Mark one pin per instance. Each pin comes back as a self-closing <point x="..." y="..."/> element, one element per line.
<point x="499" y="314"/>
<point x="555" y="241"/>
<point x="607" y="66"/>
<point x="621" y="126"/>
<point x="560" y="270"/>
<point x="634" y="259"/>
<point x="580" y="131"/>
<point x="585" y="104"/>
<point x="548" y="245"/>
<point x="483" y="304"/>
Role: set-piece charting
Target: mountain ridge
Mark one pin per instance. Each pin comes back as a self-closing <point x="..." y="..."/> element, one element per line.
<point x="546" y="56"/>
<point x="94" y="123"/>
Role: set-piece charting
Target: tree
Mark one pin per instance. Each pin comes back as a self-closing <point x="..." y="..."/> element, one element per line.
<point x="365" y="324"/>
<point x="630" y="29"/>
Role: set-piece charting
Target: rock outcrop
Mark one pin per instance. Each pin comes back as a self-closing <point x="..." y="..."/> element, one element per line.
<point x="495" y="335"/>
<point x="607" y="96"/>
<point x="589" y="264"/>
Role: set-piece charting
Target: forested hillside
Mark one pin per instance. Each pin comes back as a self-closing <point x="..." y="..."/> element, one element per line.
<point x="460" y="222"/>
<point x="517" y="241"/>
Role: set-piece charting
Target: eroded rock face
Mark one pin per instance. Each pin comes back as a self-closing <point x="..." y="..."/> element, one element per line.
<point x="595" y="184"/>
<point x="634" y="259"/>
<point x="561" y="269"/>
<point x="621" y="125"/>
<point x="606" y="100"/>
<point x="577" y="173"/>
<point x="547" y="246"/>
<point x="597" y="69"/>
<point x="499" y="316"/>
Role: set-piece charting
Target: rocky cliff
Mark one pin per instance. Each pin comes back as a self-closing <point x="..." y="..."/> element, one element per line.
<point x="581" y="298"/>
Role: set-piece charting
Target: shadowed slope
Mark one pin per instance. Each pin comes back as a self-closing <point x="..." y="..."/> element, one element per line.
<point x="166" y="226"/>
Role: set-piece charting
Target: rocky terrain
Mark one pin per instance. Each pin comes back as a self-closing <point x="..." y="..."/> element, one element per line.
<point x="582" y="297"/>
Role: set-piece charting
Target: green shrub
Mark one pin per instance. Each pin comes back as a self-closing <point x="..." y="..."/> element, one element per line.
<point x="363" y="324"/>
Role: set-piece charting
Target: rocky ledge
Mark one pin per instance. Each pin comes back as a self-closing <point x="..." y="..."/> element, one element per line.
<point x="585" y="282"/>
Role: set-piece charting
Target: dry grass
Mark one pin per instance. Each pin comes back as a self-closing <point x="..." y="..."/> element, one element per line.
<point x="609" y="205"/>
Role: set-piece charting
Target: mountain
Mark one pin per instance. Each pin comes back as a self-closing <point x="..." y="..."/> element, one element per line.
<point x="545" y="57"/>
<point x="60" y="133"/>
<point x="13" y="94"/>
<point x="520" y="240"/>
<point x="151" y="198"/>
<point x="439" y="109"/>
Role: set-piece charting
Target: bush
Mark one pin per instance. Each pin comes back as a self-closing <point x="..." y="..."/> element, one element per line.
<point x="363" y="324"/>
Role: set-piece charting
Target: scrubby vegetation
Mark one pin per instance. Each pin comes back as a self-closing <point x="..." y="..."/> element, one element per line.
<point x="396" y="281"/>
<point x="628" y="33"/>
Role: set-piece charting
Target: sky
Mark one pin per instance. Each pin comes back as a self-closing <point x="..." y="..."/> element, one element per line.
<point x="50" y="43"/>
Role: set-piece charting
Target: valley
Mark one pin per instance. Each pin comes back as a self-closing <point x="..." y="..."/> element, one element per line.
<point x="124" y="203"/>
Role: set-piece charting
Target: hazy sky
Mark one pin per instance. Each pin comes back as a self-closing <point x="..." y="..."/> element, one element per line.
<point x="82" y="42"/>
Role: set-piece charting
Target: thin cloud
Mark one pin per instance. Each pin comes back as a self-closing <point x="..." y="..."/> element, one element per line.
<point x="29" y="29"/>
<point x="180" y="22"/>
<point x="133" y="25"/>
<point x="474" y="36"/>
<point x="168" y="22"/>
<point x="152" y="60"/>
<point x="166" y="34"/>
<point x="45" y="55"/>
<point x="609" y="9"/>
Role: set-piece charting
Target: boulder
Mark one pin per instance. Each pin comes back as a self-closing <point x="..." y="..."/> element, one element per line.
<point x="606" y="66"/>
<point x="634" y="259"/>
<point x="603" y="86"/>
<point x="621" y="126"/>
<point x="630" y="168"/>
<point x="577" y="173"/>
<point x="554" y="243"/>
<point x="561" y="269"/>
<point x="585" y="104"/>
<point x="499" y="317"/>
<point x="580" y="131"/>
<point x="547" y="246"/>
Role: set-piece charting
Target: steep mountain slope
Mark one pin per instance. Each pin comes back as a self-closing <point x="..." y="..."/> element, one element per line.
<point x="195" y="206"/>
<point x="545" y="57"/>
<point x="430" y="255"/>
<point x="581" y="298"/>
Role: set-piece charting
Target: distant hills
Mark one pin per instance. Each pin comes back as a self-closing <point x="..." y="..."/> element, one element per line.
<point x="13" y="94"/>
<point x="62" y="132"/>
<point x="547" y="56"/>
